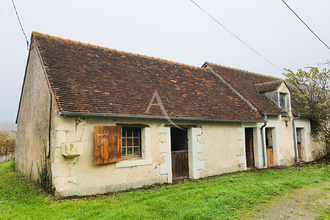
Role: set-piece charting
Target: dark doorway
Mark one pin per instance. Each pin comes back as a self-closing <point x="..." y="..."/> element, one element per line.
<point x="179" y="148"/>
<point x="269" y="147"/>
<point x="249" y="147"/>
<point x="299" y="143"/>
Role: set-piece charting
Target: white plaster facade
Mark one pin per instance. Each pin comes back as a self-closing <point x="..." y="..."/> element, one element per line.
<point x="210" y="148"/>
<point x="310" y="148"/>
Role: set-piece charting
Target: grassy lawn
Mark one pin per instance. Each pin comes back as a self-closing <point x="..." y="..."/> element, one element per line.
<point x="221" y="197"/>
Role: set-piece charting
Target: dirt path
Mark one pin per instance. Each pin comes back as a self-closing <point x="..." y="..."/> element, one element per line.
<point x="305" y="203"/>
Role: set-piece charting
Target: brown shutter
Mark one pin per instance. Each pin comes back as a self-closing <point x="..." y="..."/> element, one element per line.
<point x="107" y="144"/>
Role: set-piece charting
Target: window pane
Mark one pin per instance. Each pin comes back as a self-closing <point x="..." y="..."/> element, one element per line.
<point x="129" y="141"/>
<point x="136" y="151"/>
<point x="136" y="141"/>
<point x="129" y="151"/>
<point x="282" y="101"/>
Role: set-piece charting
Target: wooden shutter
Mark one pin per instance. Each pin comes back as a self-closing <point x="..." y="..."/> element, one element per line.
<point x="107" y="144"/>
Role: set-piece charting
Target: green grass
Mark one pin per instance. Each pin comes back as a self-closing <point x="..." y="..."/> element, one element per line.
<point x="221" y="197"/>
<point x="324" y="211"/>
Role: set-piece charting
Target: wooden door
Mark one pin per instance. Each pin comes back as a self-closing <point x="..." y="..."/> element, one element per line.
<point x="299" y="151"/>
<point x="270" y="156"/>
<point x="269" y="147"/>
<point x="299" y="140"/>
<point x="249" y="147"/>
<point x="179" y="148"/>
<point x="180" y="165"/>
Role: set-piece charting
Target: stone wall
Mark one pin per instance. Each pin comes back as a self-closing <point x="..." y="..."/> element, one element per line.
<point x="212" y="149"/>
<point x="33" y="121"/>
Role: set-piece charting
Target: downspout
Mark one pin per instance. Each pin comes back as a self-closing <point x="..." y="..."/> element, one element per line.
<point x="295" y="138"/>
<point x="263" y="139"/>
<point x="50" y="124"/>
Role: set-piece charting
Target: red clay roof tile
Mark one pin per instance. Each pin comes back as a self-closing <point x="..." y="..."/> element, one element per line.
<point x="93" y="79"/>
<point x="269" y="86"/>
<point x="248" y="83"/>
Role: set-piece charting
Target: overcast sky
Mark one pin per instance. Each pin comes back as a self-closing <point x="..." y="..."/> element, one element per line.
<point x="170" y="29"/>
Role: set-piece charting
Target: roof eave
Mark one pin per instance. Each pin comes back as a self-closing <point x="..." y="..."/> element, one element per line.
<point x="82" y="114"/>
<point x="274" y="114"/>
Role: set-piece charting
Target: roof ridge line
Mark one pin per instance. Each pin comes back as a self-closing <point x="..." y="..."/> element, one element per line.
<point x="119" y="51"/>
<point x="237" y="69"/>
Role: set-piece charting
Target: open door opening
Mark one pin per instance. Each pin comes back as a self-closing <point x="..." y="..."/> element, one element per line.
<point x="179" y="148"/>
<point x="269" y="147"/>
<point x="249" y="147"/>
<point x="299" y="143"/>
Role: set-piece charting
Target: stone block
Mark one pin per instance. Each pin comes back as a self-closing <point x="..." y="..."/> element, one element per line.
<point x="73" y="149"/>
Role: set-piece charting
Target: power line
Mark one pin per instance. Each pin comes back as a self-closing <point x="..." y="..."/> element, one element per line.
<point x="306" y="25"/>
<point x="20" y="23"/>
<point x="236" y="36"/>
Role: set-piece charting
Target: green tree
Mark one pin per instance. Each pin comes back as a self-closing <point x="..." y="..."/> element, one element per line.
<point x="311" y="96"/>
<point x="7" y="142"/>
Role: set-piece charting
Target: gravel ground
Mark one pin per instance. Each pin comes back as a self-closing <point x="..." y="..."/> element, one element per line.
<point x="304" y="203"/>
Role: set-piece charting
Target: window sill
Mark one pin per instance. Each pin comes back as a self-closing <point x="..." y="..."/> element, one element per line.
<point x="131" y="163"/>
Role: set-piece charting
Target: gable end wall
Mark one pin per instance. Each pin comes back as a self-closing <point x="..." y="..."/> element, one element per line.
<point x="33" y="120"/>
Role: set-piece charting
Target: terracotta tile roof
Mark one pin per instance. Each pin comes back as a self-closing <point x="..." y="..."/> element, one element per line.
<point x="91" y="79"/>
<point x="269" y="86"/>
<point x="247" y="84"/>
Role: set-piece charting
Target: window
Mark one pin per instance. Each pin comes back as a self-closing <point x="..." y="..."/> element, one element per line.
<point x="116" y="143"/>
<point x="131" y="143"/>
<point x="282" y="101"/>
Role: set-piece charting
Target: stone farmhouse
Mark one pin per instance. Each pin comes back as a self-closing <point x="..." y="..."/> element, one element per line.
<point x="97" y="120"/>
